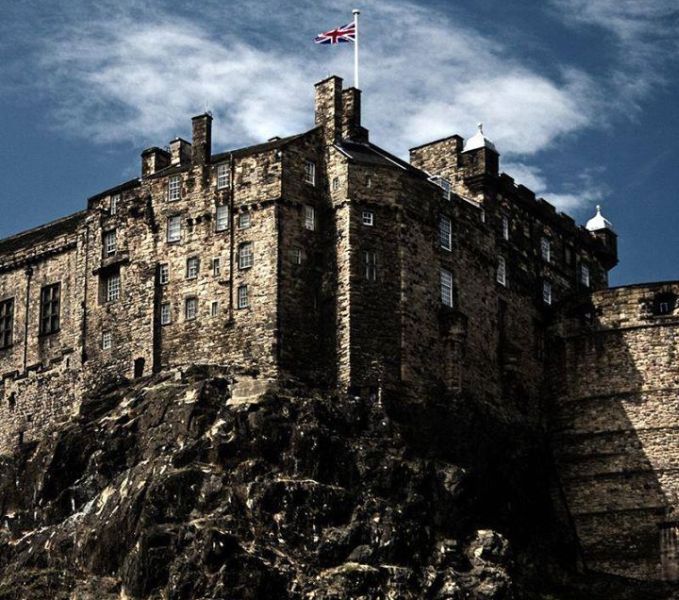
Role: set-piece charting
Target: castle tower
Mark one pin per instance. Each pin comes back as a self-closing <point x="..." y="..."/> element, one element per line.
<point x="602" y="229"/>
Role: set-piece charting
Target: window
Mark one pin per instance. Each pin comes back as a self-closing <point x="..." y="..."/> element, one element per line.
<point x="222" y="218"/>
<point x="296" y="256"/>
<point x="546" y="249"/>
<point x="368" y="182"/>
<point x="50" y="300"/>
<point x="245" y="257"/>
<point x="505" y="227"/>
<point x="214" y="309"/>
<point x="110" y="242"/>
<point x="335" y="184"/>
<point x="174" y="229"/>
<point x="163" y="274"/>
<point x="106" y="340"/>
<point x="547" y="292"/>
<point x="191" y="309"/>
<point x="501" y="270"/>
<point x="113" y="287"/>
<point x="174" y="188"/>
<point x="446" y="288"/>
<point x="6" y="322"/>
<point x="444" y="184"/>
<point x="310" y="172"/>
<point x="482" y="215"/>
<point x="445" y="233"/>
<point x="368" y="218"/>
<point x="243" y="301"/>
<point x="216" y="266"/>
<point x="165" y="314"/>
<point x="370" y="265"/>
<point x="222" y="176"/>
<point x="115" y="200"/>
<point x="584" y="275"/>
<point x="192" y="267"/>
<point x="664" y="303"/>
<point x="309" y="218"/>
<point x="244" y="220"/>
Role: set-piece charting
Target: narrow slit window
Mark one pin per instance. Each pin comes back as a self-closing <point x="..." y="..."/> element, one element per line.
<point x="445" y="233"/>
<point x="501" y="270"/>
<point x="446" y="288"/>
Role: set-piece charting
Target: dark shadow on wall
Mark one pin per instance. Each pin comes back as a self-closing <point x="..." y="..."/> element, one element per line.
<point x="613" y="442"/>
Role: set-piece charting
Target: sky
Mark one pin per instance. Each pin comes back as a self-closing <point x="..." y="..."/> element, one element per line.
<point x="579" y="96"/>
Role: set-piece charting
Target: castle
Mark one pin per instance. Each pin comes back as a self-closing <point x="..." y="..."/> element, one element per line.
<point x="323" y="259"/>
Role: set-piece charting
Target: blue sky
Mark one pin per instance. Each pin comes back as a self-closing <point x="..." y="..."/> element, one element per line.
<point x="580" y="96"/>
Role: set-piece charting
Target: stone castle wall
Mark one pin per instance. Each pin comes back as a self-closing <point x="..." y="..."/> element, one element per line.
<point x="616" y="427"/>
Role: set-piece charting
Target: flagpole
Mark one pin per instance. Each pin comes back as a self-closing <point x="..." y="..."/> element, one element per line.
<point x="356" y="12"/>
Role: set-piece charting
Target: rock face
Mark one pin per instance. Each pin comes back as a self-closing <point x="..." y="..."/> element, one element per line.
<point x="163" y="488"/>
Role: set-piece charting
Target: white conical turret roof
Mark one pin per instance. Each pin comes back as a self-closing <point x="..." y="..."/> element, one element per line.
<point x="598" y="221"/>
<point x="478" y="141"/>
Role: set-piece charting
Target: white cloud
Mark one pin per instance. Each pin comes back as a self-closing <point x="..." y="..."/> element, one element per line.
<point x="117" y="79"/>
<point x="585" y="190"/>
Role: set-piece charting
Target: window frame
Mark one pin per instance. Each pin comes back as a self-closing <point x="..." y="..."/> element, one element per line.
<point x="113" y="204"/>
<point x="246" y="255"/>
<point x="174" y="188"/>
<point x="447" y="288"/>
<point x="163" y="274"/>
<point x="370" y="265"/>
<point x="223" y="176"/>
<point x="244" y="220"/>
<point x="170" y="220"/>
<point x="217" y="266"/>
<point x="50" y="308"/>
<point x="585" y="275"/>
<point x="6" y="323"/>
<point x="447" y="243"/>
<point x="193" y="302"/>
<point x="110" y="249"/>
<point x="112" y="292"/>
<point x="309" y="217"/>
<point x="222" y="220"/>
<point x="546" y="249"/>
<point x="547" y="293"/>
<point x="368" y="218"/>
<point x="166" y="313"/>
<point x="243" y="296"/>
<point x="505" y="227"/>
<point x="106" y="340"/>
<point x="192" y="262"/>
<point x="214" y="308"/>
<point x="310" y="172"/>
<point x="501" y="272"/>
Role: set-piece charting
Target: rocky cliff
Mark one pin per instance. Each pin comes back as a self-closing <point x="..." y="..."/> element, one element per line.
<point x="164" y="488"/>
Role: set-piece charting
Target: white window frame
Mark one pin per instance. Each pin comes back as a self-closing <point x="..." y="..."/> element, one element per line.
<point x="113" y="208"/>
<point x="216" y="266"/>
<point x="335" y="184"/>
<point x="222" y="217"/>
<point x="447" y="288"/>
<point x="165" y="313"/>
<point x="296" y="254"/>
<point x="505" y="227"/>
<point x="106" y="340"/>
<point x="310" y="172"/>
<point x="368" y="218"/>
<point x="501" y="274"/>
<point x="223" y="176"/>
<point x="446" y="232"/>
<point x="309" y="217"/>
<point x="174" y="188"/>
<point x="113" y="287"/>
<point x="192" y="267"/>
<point x="214" y="308"/>
<point x="547" y="293"/>
<point x="243" y="298"/>
<point x="244" y="220"/>
<point x="245" y="255"/>
<point x="174" y="229"/>
<point x="191" y="308"/>
<point x="585" y="275"/>
<point x="110" y="242"/>
<point x="164" y="274"/>
<point x="546" y="249"/>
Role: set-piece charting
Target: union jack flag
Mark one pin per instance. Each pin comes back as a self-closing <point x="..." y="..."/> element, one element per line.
<point x="344" y="34"/>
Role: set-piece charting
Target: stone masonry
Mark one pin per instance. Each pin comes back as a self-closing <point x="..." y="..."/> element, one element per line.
<point x="323" y="259"/>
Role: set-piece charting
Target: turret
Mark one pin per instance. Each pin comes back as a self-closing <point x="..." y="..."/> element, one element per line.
<point x="602" y="229"/>
<point x="479" y="155"/>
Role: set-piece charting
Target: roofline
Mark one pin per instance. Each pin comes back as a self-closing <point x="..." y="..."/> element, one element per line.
<point x="79" y="214"/>
<point x="649" y="284"/>
<point x="438" y="141"/>
<point x="128" y="185"/>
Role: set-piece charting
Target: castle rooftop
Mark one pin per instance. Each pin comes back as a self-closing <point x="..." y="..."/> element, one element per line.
<point x="479" y="140"/>
<point x="598" y="222"/>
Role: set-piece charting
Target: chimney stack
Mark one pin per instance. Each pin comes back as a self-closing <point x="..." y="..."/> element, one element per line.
<point x="180" y="151"/>
<point x="351" y="116"/>
<point x="153" y="160"/>
<point x="201" y="146"/>
<point x="328" y="107"/>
